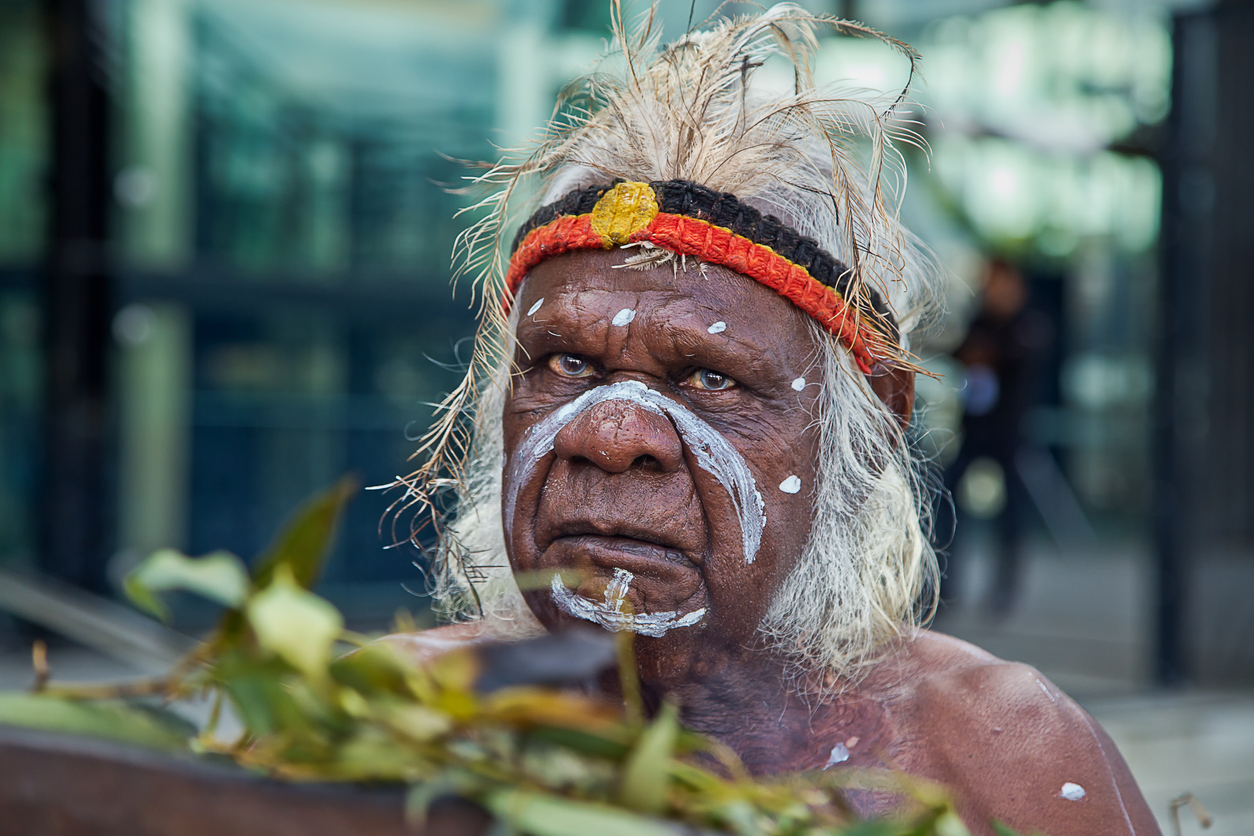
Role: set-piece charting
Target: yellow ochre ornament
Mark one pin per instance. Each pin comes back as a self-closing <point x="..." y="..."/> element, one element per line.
<point x="622" y="211"/>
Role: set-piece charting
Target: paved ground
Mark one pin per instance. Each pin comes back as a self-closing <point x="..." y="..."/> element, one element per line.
<point x="1082" y="622"/>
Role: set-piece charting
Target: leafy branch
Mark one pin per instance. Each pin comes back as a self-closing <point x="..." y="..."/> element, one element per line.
<point x="319" y="703"/>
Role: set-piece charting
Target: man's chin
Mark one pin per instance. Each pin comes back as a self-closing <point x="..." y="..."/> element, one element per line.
<point x="596" y="602"/>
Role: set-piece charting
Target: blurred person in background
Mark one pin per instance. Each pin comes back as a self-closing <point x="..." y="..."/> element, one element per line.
<point x="1001" y="357"/>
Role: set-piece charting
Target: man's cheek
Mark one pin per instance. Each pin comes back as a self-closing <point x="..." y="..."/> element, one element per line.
<point x="522" y="490"/>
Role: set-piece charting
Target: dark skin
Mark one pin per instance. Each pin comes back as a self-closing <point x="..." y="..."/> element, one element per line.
<point x="622" y="489"/>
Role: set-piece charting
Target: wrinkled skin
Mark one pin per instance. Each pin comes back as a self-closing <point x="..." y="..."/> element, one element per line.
<point x="621" y="489"/>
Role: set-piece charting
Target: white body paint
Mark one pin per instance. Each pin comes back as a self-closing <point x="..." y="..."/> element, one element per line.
<point x="713" y="452"/>
<point x="1072" y="792"/>
<point x="790" y="485"/>
<point x="840" y="754"/>
<point x="799" y="384"/>
<point x="623" y="317"/>
<point x="718" y="327"/>
<point x="609" y="613"/>
<point x="531" y="311"/>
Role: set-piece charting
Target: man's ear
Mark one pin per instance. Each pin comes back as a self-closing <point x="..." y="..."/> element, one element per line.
<point x="895" y="387"/>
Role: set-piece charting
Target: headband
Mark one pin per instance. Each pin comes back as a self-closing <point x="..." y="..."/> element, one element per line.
<point x="689" y="219"/>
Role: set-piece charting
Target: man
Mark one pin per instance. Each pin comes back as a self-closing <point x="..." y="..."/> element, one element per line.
<point x="690" y="394"/>
<point x="1001" y="354"/>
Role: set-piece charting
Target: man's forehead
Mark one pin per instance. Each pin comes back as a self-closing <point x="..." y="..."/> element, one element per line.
<point x="688" y="302"/>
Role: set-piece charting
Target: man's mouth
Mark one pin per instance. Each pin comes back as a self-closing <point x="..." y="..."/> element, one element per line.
<point x="622" y="545"/>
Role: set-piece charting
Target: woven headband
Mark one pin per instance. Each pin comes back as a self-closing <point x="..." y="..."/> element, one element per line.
<point x="689" y="219"/>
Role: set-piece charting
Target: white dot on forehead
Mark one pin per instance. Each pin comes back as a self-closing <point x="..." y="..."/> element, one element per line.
<point x="531" y="311"/>
<point x="718" y="327"/>
<point x="623" y="317"/>
<point x="799" y="384"/>
<point x="1072" y="792"/>
<point x="790" y="485"/>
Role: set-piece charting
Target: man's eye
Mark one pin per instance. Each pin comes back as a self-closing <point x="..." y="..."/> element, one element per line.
<point x="570" y="365"/>
<point x="711" y="381"/>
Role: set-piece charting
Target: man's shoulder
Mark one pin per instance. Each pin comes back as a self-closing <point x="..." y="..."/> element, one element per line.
<point x="1009" y="742"/>
<point x="941" y="673"/>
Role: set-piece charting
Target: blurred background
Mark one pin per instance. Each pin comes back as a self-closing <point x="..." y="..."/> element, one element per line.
<point x="224" y="282"/>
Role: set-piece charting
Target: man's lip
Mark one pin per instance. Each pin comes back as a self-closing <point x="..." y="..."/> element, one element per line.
<point x="622" y="552"/>
<point x="618" y="530"/>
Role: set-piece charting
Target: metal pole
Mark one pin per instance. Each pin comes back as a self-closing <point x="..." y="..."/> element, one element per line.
<point x="77" y="305"/>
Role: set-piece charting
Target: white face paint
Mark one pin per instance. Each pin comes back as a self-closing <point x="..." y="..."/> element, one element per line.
<point x="623" y="317"/>
<point x="713" y="452"/>
<point x="531" y="311"/>
<point x="790" y="485"/>
<point x="1072" y="792"/>
<point x="799" y="384"/>
<point x="840" y="754"/>
<point x="609" y="613"/>
<point x="717" y="328"/>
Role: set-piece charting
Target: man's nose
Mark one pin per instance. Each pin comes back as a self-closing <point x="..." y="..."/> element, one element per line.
<point x="617" y="435"/>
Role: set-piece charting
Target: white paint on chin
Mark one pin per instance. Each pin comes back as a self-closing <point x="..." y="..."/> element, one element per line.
<point x="799" y="384"/>
<point x="609" y="613"/>
<point x="717" y="328"/>
<point x="713" y="452"/>
<point x="790" y="485"/>
<point x="623" y="317"/>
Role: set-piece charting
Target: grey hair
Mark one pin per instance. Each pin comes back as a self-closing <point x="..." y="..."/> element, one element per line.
<point x="868" y="570"/>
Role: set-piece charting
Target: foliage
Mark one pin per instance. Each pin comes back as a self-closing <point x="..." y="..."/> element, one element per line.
<point x="547" y="762"/>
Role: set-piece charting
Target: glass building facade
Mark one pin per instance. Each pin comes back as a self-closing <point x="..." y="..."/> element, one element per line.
<point x="282" y="194"/>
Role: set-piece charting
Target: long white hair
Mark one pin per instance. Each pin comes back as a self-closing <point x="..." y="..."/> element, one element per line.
<point x="824" y="160"/>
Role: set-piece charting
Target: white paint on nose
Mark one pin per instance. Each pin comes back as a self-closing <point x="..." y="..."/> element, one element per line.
<point x="1072" y="792"/>
<point x="623" y="317"/>
<point x="718" y="327"/>
<point x="531" y="311"/>
<point x="790" y="485"/>
<point x="799" y="384"/>
<point x="713" y="452"/>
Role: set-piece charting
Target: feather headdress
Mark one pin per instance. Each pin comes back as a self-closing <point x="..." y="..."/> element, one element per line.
<point x="691" y="112"/>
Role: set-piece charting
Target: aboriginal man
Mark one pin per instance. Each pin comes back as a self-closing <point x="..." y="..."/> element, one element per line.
<point x="691" y="389"/>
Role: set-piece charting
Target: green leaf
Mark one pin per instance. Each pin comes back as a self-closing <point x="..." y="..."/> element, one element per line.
<point x="303" y="543"/>
<point x="295" y="625"/>
<point x="416" y="721"/>
<point x="578" y="740"/>
<point x="219" y="576"/>
<point x="112" y="720"/>
<point x="545" y="815"/>
<point x="646" y="776"/>
<point x="371" y="670"/>
<point x="948" y="824"/>
<point x="1001" y="829"/>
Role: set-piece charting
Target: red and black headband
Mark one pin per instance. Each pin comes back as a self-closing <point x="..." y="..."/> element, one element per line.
<point x="689" y="219"/>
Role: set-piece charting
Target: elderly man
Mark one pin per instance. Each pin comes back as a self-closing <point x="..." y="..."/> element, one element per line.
<point x="690" y="392"/>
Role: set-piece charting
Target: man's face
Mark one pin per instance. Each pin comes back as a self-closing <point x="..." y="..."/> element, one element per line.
<point x="648" y="488"/>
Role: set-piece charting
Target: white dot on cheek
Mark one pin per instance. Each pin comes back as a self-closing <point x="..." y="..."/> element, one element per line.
<point x="799" y="384"/>
<point x="535" y="307"/>
<point x="623" y="317"/>
<point x="790" y="485"/>
<point x="1072" y="792"/>
<point x="718" y="327"/>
